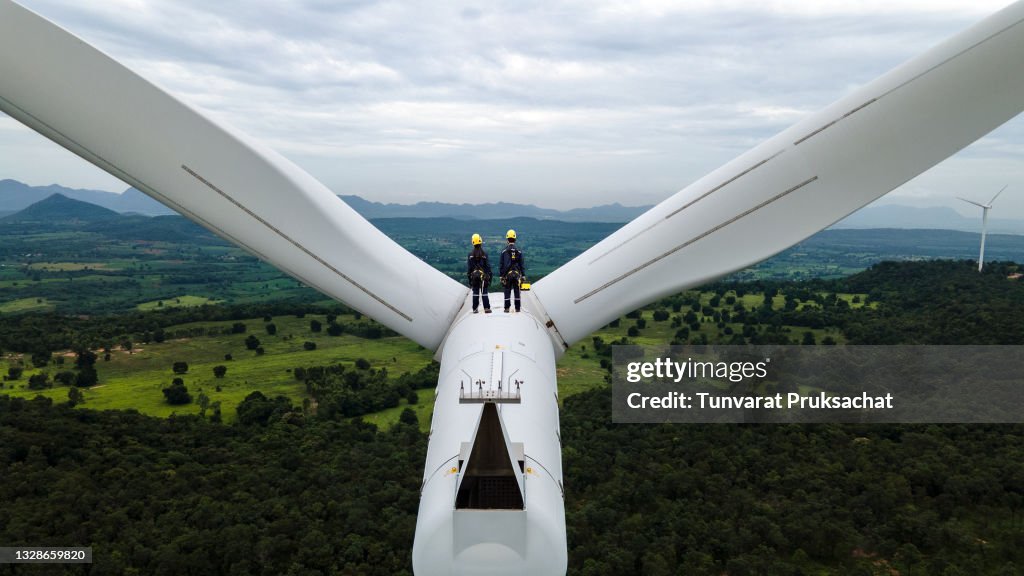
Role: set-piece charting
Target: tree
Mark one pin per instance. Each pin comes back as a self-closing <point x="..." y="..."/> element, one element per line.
<point x="180" y="367"/>
<point x="87" y="377"/>
<point x="41" y="358"/>
<point x="363" y="364"/>
<point x="309" y="345"/>
<point x="334" y="329"/>
<point x="408" y="416"/>
<point x="271" y="328"/>
<point x="75" y="397"/>
<point x="238" y="328"/>
<point x="219" y="371"/>
<point x="808" y="339"/>
<point x="39" y="381"/>
<point x="204" y="402"/>
<point x="252" y="342"/>
<point x="85" y="358"/>
<point x="260" y="410"/>
<point x="177" y="393"/>
<point x="65" y="378"/>
<point x="315" y="326"/>
<point x="14" y="372"/>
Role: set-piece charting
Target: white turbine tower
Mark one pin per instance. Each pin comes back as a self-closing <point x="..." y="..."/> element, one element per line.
<point x="492" y="497"/>
<point x="984" y="223"/>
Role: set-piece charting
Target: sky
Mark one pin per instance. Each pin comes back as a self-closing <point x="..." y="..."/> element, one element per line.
<point x="556" y="103"/>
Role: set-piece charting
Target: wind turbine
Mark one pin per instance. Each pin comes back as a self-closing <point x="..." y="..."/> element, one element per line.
<point x="492" y="495"/>
<point x="984" y="222"/>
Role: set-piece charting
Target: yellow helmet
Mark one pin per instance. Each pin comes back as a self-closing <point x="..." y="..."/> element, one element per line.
<point x="477" y="240"/>
<point x="510" y="235"/>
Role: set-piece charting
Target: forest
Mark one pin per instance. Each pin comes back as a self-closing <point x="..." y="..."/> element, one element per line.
<point x="285" y="489"/>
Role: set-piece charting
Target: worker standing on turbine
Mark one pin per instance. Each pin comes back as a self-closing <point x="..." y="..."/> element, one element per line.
<point x="479" y="271"/>
<point x="513" y="269"/>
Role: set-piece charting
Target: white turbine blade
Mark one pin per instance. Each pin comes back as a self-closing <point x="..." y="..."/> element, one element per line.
<point x="800" y="181"/>
<point x="982" y="206"/>
<point x="996" y="196"/>
<point x="95" y="107"/>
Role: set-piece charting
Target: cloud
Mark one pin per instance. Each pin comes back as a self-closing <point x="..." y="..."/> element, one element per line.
<point x="558" y="103"/>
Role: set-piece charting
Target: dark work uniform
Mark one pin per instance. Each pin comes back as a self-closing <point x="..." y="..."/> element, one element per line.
<point x="513" y="269"/>
<point x="478" y="269"/>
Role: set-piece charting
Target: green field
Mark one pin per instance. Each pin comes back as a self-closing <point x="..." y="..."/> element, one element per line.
<point x="135" y="380"/>
<point x="26" y="305"/>
<point x="178" y="302"/>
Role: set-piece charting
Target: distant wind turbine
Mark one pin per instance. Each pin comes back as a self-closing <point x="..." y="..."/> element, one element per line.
<point x="984" y="222"/>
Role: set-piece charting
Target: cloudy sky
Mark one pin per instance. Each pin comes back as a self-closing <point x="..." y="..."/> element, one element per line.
<point x="556" y="103"/>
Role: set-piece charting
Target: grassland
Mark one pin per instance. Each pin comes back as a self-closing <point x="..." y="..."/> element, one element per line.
<point x="136" y="379"/>
<point x="177" y="302"/>
<point x="26" y="305"/>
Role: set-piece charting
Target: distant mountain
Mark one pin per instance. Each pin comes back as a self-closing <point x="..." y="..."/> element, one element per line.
<point x="492" y="211"/>
<point x="16" y="196"/>
<point x="939" y="217"/>
<point x="58" y="208"/>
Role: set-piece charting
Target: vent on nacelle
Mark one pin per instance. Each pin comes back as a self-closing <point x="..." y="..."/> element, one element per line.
<point x="491" y="480"/>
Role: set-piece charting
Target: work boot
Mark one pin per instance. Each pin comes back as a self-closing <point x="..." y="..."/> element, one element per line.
<point x="487" y="311"/>
<point x="476" y="311"/>
<point x="506" y="310"/>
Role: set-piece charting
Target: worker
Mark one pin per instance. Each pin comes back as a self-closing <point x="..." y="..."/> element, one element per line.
<point x="513" y="269"/>
<point x="479" y="271"/>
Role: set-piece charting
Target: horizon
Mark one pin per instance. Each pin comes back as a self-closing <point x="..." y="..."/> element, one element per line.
<point x="965" y="224"/>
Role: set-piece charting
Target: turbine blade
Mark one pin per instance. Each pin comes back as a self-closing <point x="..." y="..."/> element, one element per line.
<point x="800" y="181"/>
<point x="83" y="100"/>
<point x="997" y="195"/>
<point x="972" y="202"/>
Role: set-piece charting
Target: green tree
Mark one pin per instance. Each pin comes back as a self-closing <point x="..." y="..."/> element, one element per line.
<point x="87" y="377"/>
<point x="41" y="358"/>
<point x="39" y="381"/>
<point x="75" y="396"/>
<point x="177" y="393"/>
<point x="252" y="342"/>
<point x="219" y="371"/>
<point x="180" y="367"/>
<point x="408" y="416"/>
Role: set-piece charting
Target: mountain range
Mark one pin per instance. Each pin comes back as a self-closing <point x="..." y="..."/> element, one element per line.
<point x="16" y="196"/>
